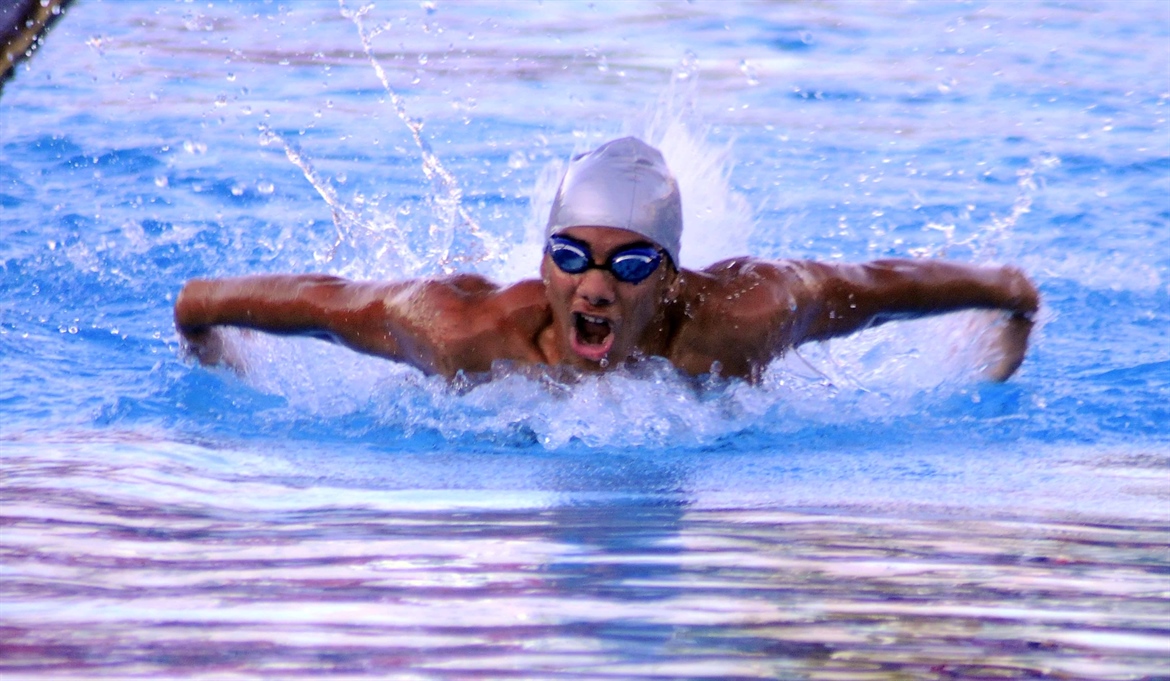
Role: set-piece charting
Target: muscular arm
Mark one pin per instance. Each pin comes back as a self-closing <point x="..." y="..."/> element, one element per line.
<point x="844" y="298"/>
<point x="311" y="305"/>
<point x="439" y="326"/>
<point x="841" y="299"/>
<point x="752" y="311"/>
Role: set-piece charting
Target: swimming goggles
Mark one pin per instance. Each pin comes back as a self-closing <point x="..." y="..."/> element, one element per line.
<point x="629" y="265"/>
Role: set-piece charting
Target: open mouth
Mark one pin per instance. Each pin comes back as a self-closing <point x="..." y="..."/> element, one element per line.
<point x="592" y="336"/>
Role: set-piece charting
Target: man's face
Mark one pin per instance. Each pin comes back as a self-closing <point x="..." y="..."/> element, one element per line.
<point x="598" y="319"/>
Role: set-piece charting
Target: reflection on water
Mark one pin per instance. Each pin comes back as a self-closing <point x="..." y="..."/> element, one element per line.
<point x="104" y="576"/>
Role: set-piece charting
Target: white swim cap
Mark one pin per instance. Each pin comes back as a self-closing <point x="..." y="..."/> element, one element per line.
<point x="625" y="184"/>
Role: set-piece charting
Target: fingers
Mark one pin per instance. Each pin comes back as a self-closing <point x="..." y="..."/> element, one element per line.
<point x="1010" y="348"/>
<point x="211" y="347"/>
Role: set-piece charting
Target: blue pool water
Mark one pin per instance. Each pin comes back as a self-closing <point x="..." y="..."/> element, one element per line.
<point x="871" y="510"/>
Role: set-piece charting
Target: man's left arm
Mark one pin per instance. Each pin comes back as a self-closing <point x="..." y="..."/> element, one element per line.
<point x="844" y="298"/>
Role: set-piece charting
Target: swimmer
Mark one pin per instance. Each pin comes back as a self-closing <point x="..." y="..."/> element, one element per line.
<point x="610" y="292"/>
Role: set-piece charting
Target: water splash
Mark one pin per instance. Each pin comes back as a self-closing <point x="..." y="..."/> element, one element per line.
<point x="985" y="243"/>
<point x="353" y="230"/>
<point x="879" y="376"/>
<point x="1028" y="184"/>
<point x="366" y="230"/>
<point x="447" y="195"/>
<point x="717" y="219"/>
<point x="718" y="222"/>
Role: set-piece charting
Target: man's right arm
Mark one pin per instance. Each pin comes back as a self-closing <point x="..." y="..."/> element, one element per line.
<point x="440" y="326"/>
<point x="335" y="309"/>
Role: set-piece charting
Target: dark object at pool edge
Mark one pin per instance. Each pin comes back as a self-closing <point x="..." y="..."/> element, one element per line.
<point x="22" y="23"/>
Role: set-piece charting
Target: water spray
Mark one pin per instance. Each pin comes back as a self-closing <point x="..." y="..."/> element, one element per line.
<point x="448" y="195"/>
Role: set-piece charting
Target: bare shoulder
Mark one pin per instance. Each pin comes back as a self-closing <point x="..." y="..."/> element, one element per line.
<point x="747" y="285"/>
<point x="470" y="284"/>
<point x="480" y="296"/>
<point x="470" y="321"/>
<point x="522" y="309"/>
<point x="522" y="294"/>
<point x="738" y="312"/>
<point x="465" y="304"/>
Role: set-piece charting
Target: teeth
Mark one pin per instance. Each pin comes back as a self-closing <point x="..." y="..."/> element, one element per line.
<point x="594" y="320"/>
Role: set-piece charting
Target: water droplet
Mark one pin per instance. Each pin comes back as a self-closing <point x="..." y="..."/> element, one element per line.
<point x="265" y="187"/>
<point x="687" y="67"/>
<point x="231" y="76"/>
<point x="750" y="71"/>
<point x="221" y="101"/>
<point x="604" y="362"/>
<point x="517" y="160"/>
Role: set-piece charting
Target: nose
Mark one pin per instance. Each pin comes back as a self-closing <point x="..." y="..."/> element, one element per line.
<point x="596" y="288"/>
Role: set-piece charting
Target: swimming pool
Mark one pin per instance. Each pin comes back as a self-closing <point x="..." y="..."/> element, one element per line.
<point x="871" y="509"/>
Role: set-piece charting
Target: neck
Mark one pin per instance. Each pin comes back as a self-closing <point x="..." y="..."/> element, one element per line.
<point x="659" y="335"/>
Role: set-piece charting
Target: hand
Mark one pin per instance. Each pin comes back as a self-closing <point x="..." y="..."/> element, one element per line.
<point x="1007" y="351"/>
<point x="211" y="347"/>
<point x="1024" y="298"/>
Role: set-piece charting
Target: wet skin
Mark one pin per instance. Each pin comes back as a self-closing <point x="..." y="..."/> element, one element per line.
<point x="733" y="317"/>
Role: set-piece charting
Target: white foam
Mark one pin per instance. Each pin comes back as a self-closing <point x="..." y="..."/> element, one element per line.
<point x="877" y="374"/>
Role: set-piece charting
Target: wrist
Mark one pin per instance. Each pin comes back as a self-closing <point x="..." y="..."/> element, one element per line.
<point x="1023" y="298"/>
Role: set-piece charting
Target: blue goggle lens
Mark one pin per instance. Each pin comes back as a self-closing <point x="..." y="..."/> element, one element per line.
<point x="569" y="257"/>
<point x="630" y="265"/>
<point x="635" y="264"/>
